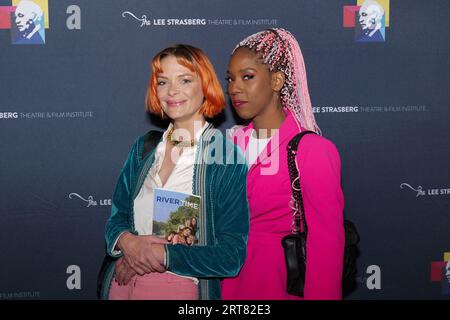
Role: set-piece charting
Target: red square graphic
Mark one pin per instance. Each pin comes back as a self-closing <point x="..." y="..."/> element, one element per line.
<point x="436" y="270"/>
<point x="349" y="16"/>
<point x="5" y="17"/>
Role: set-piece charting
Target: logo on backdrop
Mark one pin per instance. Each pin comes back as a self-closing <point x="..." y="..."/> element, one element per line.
<point x="372" y="278"/>
<point x="73" y="281"/>
<point x="9" y="115"/>
<point x="369" y="18"/>
<point x="419" y="191"/>
<point x="20" y="295"/>
<point x="40" y="115"/>
<point x="440" y="272"/>
<point x="27" y="20"/>
<point x="369" y="108"/>
<point x="90" y="202"/>
<point x="145" y="21"/>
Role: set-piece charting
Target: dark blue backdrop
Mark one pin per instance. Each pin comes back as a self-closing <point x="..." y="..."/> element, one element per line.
<point x="70" y="109"/>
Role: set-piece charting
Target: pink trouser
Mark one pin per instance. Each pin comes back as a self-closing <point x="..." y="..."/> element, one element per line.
<point x="155" y="286"/>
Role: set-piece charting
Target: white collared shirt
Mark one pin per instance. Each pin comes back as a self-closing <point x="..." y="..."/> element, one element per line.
<point x="181" y="180"/>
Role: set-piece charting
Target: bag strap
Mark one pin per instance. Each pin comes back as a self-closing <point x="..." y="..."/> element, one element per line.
<point x="299" y="210"/>
<point x="151" y="140"/>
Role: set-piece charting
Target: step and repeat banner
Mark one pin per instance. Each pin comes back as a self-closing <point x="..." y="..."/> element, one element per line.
<point x="73" y="78"/>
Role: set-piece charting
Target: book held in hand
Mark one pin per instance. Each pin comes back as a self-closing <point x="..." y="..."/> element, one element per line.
<point x="175" y="216"/>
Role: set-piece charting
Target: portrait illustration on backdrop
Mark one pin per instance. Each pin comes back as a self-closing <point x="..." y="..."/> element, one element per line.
<point x="440" y="272"/>
<point x="371" y="23"/>
<point x="28" y="20"/>
<point x="369" y="18"/>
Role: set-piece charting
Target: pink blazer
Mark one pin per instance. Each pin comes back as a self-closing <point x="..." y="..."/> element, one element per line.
<point x="263" y="275"/>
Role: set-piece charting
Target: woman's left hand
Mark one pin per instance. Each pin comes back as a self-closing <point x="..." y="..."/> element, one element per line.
<point x="124" y="273"/>
<point x="137" y="250"/>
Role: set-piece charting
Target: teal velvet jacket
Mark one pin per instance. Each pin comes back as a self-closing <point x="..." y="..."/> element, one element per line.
<point x="219" y="178"/>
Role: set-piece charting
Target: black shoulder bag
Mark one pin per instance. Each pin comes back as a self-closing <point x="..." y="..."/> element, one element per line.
<point x="295" y="244"/>
<point x="151" y="140"/>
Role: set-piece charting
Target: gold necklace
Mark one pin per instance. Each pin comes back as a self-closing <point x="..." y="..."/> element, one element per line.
<point x="179" y="143"/>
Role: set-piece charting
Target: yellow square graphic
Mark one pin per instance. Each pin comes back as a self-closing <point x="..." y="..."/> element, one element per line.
<point x="44" y="6"/>
<point x="384" y="4"/>
<point x="446" y="256"/>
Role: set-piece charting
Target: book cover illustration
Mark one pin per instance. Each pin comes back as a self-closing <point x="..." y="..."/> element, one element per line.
<point x="175" y="216"/>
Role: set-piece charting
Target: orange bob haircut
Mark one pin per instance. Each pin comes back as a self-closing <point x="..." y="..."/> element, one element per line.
<point x="196" y="61"/>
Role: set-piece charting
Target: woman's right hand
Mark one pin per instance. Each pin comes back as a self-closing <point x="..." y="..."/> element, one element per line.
<point x="138" y="253"/>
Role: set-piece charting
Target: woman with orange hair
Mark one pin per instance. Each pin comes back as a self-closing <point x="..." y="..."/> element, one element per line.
<point x="191" y="157"/>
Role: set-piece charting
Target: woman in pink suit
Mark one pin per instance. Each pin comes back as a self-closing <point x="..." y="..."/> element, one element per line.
<point x="267" y="85"/>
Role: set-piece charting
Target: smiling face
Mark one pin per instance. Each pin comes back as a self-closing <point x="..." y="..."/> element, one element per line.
<point x="186" y="232"/>
<point x="253" y="89"/>
<point x="179" y="91"/>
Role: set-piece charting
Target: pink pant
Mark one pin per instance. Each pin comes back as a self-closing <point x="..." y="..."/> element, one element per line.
<point x="155" y="286"/>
